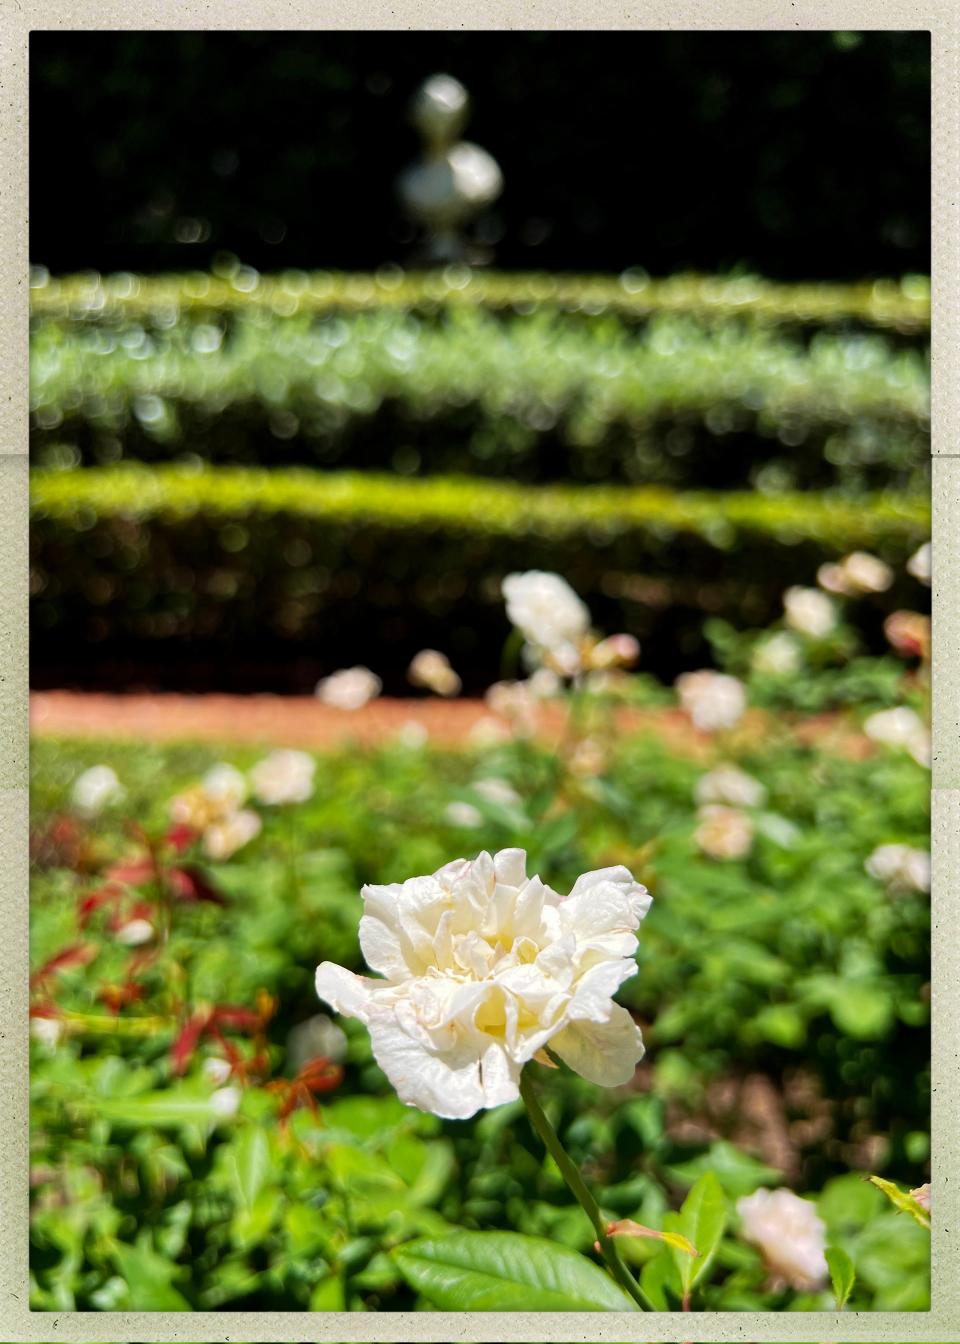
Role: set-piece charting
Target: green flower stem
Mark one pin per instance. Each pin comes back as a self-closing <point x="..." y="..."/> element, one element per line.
<point x="586" y="1200"/>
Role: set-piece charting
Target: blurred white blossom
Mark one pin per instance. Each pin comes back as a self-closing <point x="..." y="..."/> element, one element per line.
<point x="225" y="1102"/>
<point x="95" y="789"/>
<point x="855" y="574"/>
<point x="790" y="1236"/>
<point x="216" y="1070"/>
<point x="350" y="688"/>
<point x="216" y="798"/>
<point x="46" y="1030"/>
<point x="809" y="611"/>
<point x="778" y="656"/>
<point x="412" y="735"/>
<point x="920" y="564"/>
<point x="723" y="832"/>
<point x="615" y="651"/>
<point x="284" y="776"/>
<point x="431" y="670"/>
<point x="549" y="615"/>
<point x="225" y="783"/>
<point x="728" y="784"/>
<point x="713" y="700"/>
<point x="135" y="932"/>
<point x="513" y="701"/>
<point x="495" y="790"/>
<point x="900" y="867"/>
<point x="543" y="684"/>
<point x="900" y="727"/>
<point x="318" y="1037"/>
<point x="463" y="814"/>
<point x="908" y="633"/>
<point x="488" y="732"/>
<point x="223" y="838"/>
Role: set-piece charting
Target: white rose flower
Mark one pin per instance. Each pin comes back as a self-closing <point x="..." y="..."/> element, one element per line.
<point x="778" y="656"/>
<point x="712" y="699"/>
<point x="546" y="611"/>
<point x="463" y="814"/>
<point x="922" y="1196"/>
<point x="95" y="789"/>
<point x="809" y="611"/>
<point x="433" y="672"/>
<point x="900" y="867"/>
<point x="488" y="732"/>
<point x="318" y="1037"/>
<point x="543" y="684"/>
<point x="482" y="968"/>
<point x="224" y="838"/>
<point x="514" y="701"/>
<point x="226" y="784"/>
<point x="723" y="832"/>
<point x="900" y="727"/>
<point x="727" y="784"/>
<point x="412" y="735"/>
<point x="225" y="1102"/>
<point x="46" y="1030"/>
<point x="215" y="799"/>
<point x="350" y="688"/>
<point x="857" y="573"/>
<point x="283" y="777"/>
<point x="920" y="564"/>
<point x="790" y="1235"/>
<point x="615" y="651"/>
<point x="216" y="1070"/>
<point x="135" y="932"/>
<point x="497" y="791"/>
<point x="588" y="759"/>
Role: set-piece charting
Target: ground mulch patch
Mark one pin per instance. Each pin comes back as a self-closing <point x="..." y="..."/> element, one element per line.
<point x="303" y="721"/>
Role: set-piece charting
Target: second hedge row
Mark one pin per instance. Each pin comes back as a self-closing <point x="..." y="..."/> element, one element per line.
<point x="234" y="564"/>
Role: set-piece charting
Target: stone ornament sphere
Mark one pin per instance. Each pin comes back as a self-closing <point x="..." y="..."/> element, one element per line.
<point x="440" y="109"/>
<point x="449" y="188"/>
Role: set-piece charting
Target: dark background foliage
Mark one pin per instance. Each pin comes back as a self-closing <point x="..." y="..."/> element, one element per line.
<point x="808" y="153"/>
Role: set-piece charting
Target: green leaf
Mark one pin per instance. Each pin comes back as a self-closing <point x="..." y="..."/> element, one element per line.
<point x="328" y="1295"/>
<point x="903" y="1201"/>
<point x="842" y="1275"/>
<point x="862" y="1010"/>
<point x="249" y="1226"/>
<point x="169" y="1109"/>
<point x="738" y="1173"/>
<point x="147" y="1276"/>
<point x="506" y="1271"/>
<point x="657" y="1276"/>
<point x="701" y="1220"/>
<point x="251" y="1155"/>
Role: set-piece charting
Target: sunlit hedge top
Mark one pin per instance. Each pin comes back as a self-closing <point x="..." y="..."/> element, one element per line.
<point x="533" y="396"/>
<point x="902" y="305"/>
<point x="482" y="508"/>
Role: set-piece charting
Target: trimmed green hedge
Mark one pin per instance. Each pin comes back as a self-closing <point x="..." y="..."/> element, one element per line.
<point x="231" y="565"/>
<point x="897" y="305"/>
<point x="535" y="398"/>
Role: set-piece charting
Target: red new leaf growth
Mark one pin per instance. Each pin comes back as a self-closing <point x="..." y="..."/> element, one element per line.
<point x="210" y="1022"/>
<point x="120" y="996"/>
<point x="79" y="954"/>
<point x="190" y="884"/>
<point x="317" y="1076"/>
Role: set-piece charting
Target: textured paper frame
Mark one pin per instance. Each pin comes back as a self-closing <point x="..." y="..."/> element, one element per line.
<point x="942" y="19"/>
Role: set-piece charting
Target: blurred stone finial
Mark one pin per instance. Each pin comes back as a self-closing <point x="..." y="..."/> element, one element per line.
<point x="453" y="179"/>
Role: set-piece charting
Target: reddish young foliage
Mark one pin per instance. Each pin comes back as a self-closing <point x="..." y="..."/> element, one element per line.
<point x="317" y="1076"/>
<point x="79" y="954"/>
